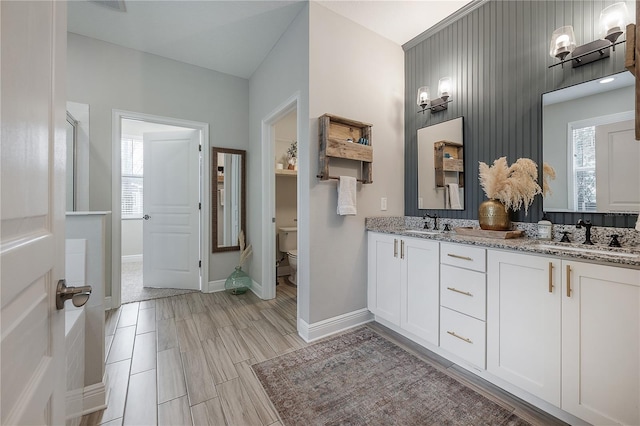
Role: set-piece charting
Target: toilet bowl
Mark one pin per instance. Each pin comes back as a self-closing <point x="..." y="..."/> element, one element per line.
<point x="293" y="264"/>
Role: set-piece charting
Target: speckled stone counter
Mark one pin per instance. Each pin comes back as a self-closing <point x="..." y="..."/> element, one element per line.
<point x="627" y="256"/>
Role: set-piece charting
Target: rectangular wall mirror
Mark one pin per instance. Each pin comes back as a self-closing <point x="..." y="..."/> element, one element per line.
<point x="588" y="138"/>
<point x="228" y="196"/>
<point x="441" y="166"/>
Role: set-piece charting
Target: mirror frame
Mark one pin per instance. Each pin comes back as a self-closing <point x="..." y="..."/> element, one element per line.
<point x="214" y="196"/>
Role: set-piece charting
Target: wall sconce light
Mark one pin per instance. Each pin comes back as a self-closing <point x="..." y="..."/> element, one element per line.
<point x="613" y="20"/>
<point x="438" y="104"/>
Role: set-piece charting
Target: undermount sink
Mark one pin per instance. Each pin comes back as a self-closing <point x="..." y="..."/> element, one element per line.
<point x="418" y="231"/>
<point x="588" y="250"/>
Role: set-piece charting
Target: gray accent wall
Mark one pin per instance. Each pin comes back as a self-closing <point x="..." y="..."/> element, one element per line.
<point x="498" y="56"/>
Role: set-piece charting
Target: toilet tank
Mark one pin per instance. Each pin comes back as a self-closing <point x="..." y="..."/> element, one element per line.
<point x="287" y="238"/>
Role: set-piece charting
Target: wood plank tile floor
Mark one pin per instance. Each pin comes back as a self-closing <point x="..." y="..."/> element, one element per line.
<point x="186" y="360"/>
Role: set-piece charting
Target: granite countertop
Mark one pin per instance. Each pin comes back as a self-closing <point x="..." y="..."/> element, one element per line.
<point x="525" y="244"/>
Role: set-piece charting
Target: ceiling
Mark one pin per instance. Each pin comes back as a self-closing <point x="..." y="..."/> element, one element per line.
<point x="234" y="36"/>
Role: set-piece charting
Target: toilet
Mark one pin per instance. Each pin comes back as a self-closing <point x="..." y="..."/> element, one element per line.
<point x="288" y="243"/>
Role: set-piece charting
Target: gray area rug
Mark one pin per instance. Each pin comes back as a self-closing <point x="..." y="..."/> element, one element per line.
<point x="360" y="378"/>
<point x="133" y="291"/>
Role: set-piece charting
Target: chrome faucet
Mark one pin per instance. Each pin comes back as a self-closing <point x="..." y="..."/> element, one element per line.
<point x="587" y="227"/>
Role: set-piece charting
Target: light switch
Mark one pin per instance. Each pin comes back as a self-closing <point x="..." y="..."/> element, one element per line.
<point x="383" y="203"/>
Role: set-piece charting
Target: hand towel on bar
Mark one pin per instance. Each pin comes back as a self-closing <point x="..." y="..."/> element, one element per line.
<point x="347" y="196"/>
<point x="454" y="196"/>
<point x="221" y="197"/>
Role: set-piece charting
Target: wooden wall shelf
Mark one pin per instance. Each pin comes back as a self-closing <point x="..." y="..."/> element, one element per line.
<point x="286" y="172"/>
<point x="448" y="157"/>
<point x="334" y="132"/>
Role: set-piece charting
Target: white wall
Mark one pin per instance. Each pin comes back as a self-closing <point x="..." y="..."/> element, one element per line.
<point x="356" y="74"/>
<point x="283" y="74"/>
<point x="107" y="77"/>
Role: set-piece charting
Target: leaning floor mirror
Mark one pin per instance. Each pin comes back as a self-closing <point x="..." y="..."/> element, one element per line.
<point x="228" y="197"/>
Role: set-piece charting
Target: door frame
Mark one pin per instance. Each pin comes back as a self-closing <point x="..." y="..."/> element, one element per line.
<point x="269" y="195"/>
<point x="116" y="196"/>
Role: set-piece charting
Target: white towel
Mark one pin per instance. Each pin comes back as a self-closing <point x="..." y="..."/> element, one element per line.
<point x="454" y="196"/>
<point x="347" y="196"/>
<point x="221" y="197"/>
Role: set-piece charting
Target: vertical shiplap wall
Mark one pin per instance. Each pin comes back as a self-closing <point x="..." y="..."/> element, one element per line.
<point x="498" y="56"/>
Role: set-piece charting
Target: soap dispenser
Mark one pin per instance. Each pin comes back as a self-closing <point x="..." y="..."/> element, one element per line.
<point x="544" y="228"/>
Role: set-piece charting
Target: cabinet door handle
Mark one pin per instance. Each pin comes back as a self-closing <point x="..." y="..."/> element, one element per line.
<point x="568" y="281"/>
<point x="395" y="247"/>
<point x="466" y="293"/>
<point x="457" y="256"/>
<point x="401" y="249"/>
<point x="550" y="277"/>
<point x="459" y="337"/>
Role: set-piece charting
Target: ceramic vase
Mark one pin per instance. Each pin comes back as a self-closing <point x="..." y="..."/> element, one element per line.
<point x="492" y="215"/>
<point x="238" y="282"/>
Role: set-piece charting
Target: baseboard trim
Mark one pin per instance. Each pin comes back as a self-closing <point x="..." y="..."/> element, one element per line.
<point x="324" y="328"/>
<point x="86" y="400"/>
<point x="132" y="258"/>
<point x="95" y="396"/>
<point x="214" y="286"/>
<point x="107" y="303"/>
<point x="256" y="289"/>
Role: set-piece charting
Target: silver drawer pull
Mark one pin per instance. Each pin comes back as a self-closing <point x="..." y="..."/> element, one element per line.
<point x="466" y="293"/>
<point x="457" y="256"/>
<point x="460" y="337"/>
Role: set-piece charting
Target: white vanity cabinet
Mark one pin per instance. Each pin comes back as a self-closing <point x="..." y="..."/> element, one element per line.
<point x="567" y="332"/>
<point x="523" y="322"/>
<point x="403" y="280"/>
<point x="463" y="302"/>
<point x="601" y="343"/>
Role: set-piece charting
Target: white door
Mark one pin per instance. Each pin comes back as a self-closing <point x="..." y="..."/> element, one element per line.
<point x="384" y="277"/>
<point x="618" y="155"/>
<point x="32" y="209"/>
<point x="171" y="229"/>
<point x="420" y="291"/>
<point x="601" y="343"/>
<point x="523" y="322"/>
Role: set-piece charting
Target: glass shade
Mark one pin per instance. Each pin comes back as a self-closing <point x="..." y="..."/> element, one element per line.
<point x="563" y="41"/>
<point x="423" y="96"/>
<point x="444" y="87"/>
<point x="613" y="20"/>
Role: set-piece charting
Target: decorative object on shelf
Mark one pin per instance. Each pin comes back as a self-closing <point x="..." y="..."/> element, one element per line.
<point x="613" y="20"/>
<point x="441" y="102"/>
<point x="239" y="282"/>
<point x="507" y="187"/>
<point x="292" y="155"/>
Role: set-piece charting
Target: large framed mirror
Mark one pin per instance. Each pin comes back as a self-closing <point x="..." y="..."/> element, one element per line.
<point x="228" y="197"/>
<point x="588" y="138"/>
<point x="441" y="166"/>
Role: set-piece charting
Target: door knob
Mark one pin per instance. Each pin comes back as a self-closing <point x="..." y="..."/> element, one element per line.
<point x="78" y="295"/>
<point x="146" y="217"/>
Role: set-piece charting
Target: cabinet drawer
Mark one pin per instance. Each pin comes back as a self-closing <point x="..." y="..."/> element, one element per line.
<point x="463" y="291"/>
<point x="463" y="256"/>
<point x="463" y="336"/>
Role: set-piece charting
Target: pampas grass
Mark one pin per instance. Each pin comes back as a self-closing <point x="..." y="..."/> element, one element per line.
<point x="245" y="252"/>
<point x="515" y="186"/>
<point x="547" y="173"/>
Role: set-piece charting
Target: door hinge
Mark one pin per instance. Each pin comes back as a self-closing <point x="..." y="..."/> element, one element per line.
<point x="200" y="148"/>
<point x="200" y="264"/>
<point x="199" y="206"/>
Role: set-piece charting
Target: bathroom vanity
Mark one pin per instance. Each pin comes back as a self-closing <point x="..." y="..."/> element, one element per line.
<point x="554" y="325"/>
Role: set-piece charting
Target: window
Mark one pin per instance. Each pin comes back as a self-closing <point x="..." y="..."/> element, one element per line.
<point x="584" y="168"/>
<point x="132" y="175"/>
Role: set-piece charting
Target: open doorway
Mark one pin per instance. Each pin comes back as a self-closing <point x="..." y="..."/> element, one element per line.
<point x="159" y="195"/>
